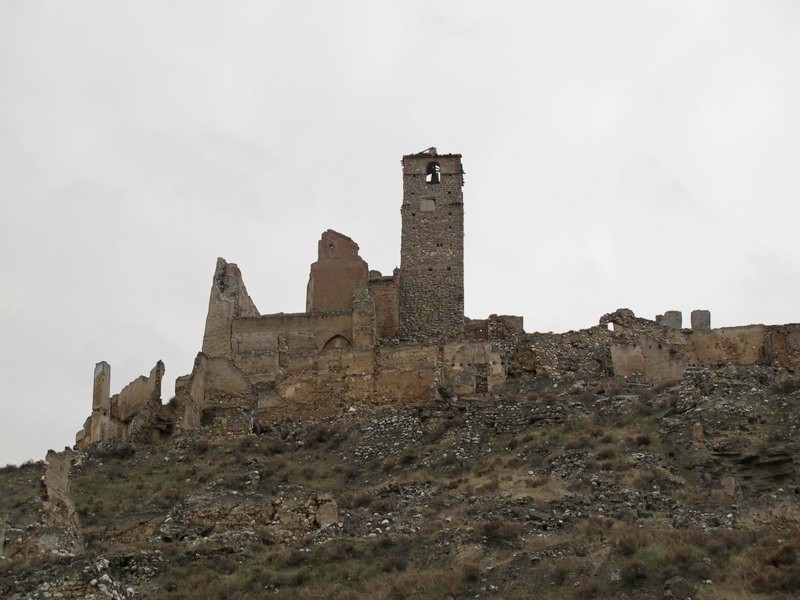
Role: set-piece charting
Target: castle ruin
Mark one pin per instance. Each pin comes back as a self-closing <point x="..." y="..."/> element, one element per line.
<point x="368" y="340"/>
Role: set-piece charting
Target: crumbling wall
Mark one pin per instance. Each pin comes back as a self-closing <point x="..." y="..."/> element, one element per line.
<point x="336" y="272"/>
<point x="265" y="346"/>
<point x="138" y="394"/>
<point x="101" y="402"/>
<point x="135" y="412"/>
<point x="215" y="390"/>
<point x="363" y="319"/>
<point x="671" y="318"/>
<point x="783" y="345"/>
<point x="60" y="528"/>
<point x="333" y="382"/>
<point x="649" y="358"/>
<point x="547" y="358"/>
<point x="728" y="345"/>
<point x="385" y="294"/>
<point x="660" y="353"/>
<point x="472" y="369"/>
<point x="229" y="300"/>
<point x="701" y="319"/>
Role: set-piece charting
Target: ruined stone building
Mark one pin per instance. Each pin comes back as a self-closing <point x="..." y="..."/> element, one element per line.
<point x="365" y="338"/>
<point x="372" y="341"/>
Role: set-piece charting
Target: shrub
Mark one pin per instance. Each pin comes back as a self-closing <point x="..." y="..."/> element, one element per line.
<point x="606" y="452"/>
<point x="784" y="556"/>
<point x="490" y="486"/>
<point x="537" y="481"/>
<point x="408" y="457"/>
<point x="560" y="573"/>
<point x="787" y="386"/>
<point x="470" y="571"/>
<point x="632" y="572"/>
<point x="777" y="580"/>
<point x="628" y="544"/>
<point x="587" y="590"/>
<point x="499" y="531"/>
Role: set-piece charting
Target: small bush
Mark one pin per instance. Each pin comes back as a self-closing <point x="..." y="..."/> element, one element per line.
<point x="632" y="573"/>
<point x="119" y="451"/>
<point x="397" y="591"/>
<point x="787" y="386"/>
<point x="628" y="544"/>
<point x="595" y="528"/>
<point x="606" y="452"/>
<point x="408" y="457"/>
<point x="560" y="573"/>
<point x="272" y="446"/>
<point x="536" y="481"/>
<point x="499" y="531"/>
<point x="587" y="590"/>
<point x="777" y="580"/>
<point x="323" y="435"/>
<point x="783" y="557"/>
<point x="470" y="571"/>
<point x="490" y="486"/>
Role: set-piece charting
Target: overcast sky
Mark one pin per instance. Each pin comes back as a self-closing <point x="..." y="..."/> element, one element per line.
<point x="617" y="154"/>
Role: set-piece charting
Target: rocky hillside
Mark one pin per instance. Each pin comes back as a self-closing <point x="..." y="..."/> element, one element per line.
<point x="595" y="489"/>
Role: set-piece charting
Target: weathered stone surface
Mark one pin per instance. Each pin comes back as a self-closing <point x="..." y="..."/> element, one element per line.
<point x="336" y="272"/>
<point x="432" y="247"/>
<point x="701" y="319"/>
<point x="3" y="527"/>
<point x="678" y="588"/>
<point x="384" y="292"/>
<point x="727" y="489"/>
<point x="135" y="412"/>
<point x="60" y="531"/>
<point x="215" y="384"/>
<point x="217" y="512"/>
<point x="323" y="510"/>
<point x="375" y="341"/>
<point x="671" y="318"/>
<point x="101" y="401"/>
<point x="138" y="394"/>
<point x="229" y="300"/>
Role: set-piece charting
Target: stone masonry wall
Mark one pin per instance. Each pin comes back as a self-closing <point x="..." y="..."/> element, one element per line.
<point x="229" y="300"/>
<point x="432" y="249"/>
<point x="387" y="311"/>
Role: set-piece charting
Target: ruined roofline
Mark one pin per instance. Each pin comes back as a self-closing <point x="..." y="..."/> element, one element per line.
<point x="281" y="315"/>
<point x="425" y="153"/>
<point x="340" y="234"/>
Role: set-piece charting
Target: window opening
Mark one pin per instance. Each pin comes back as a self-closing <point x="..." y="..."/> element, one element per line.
<point x="432" y="172"/>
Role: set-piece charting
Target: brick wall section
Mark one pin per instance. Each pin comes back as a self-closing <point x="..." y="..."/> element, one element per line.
<point x="336" y="272"/>
<point x="432" y="249"/>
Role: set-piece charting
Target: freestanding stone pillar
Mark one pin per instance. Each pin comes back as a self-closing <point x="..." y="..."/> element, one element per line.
<point x="671" y="318"/>
<point x="701" y="319"/>
<point x="101" y="401"/>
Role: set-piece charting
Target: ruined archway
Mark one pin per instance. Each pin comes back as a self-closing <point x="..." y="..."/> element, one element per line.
<point x="337" y="342"/>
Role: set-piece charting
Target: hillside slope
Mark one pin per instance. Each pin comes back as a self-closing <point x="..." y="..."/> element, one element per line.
<point x="601" y="490"/>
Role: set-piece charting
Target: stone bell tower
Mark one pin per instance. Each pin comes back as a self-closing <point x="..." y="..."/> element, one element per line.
<point x="432" y="247"/>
